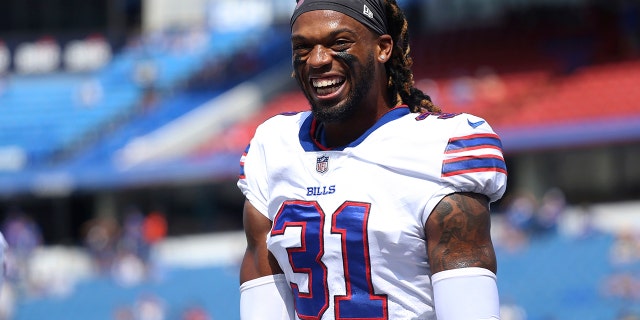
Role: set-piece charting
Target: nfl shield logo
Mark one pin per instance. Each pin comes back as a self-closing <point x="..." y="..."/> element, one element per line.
<point x="322" y="164"/>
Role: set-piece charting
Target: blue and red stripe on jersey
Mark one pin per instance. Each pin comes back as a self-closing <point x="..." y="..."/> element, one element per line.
<point x="473" y="163"/>
<point x="244" y="154"/>
<point x="473" y="142"/>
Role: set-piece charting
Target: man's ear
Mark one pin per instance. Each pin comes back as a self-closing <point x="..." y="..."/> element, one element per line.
<point x="385" y="47"/>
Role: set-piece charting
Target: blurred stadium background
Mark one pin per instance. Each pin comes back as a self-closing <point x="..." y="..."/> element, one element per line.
<point x="122" y="123"/>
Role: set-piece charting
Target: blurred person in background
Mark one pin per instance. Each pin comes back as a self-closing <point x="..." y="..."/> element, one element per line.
<point x="154" y="228"/>
<point x="623" y="281"/>
<point x="374" y="204"/>
<point x="552" y="205"/>
<point x="628" y="315"/>
<point x="3" y="263"/>
<point x="132" y="239"/>
<point x="625" y="250"/>
<point x="195" y="312"/>
<point x="7" y="299"/>
<point x="149" y="306"/>
<point x="101" y="235"/>
<point x="521" y="212"/>
<point x="23" y="236"/>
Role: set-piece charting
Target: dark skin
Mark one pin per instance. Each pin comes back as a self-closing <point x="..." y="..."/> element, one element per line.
<point x="327" y="45"/>
<point x="257" y="261"/>
<point x="458" y="233"/>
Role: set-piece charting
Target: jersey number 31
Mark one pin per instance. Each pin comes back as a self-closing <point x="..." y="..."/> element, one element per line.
<point x="350" y="222"/>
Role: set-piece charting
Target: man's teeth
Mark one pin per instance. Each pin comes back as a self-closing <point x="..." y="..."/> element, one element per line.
<point x="327" y="86"/>
<point x="321" y="83"/>
<point x="325" y="91"/>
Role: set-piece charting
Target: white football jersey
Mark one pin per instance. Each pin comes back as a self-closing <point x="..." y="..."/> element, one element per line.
<point x="348" y="223"/>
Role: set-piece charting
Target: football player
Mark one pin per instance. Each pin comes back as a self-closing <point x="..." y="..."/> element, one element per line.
<point x="374" y="204"/>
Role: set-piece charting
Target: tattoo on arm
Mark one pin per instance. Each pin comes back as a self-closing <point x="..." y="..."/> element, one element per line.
<point x="458" y="233"/>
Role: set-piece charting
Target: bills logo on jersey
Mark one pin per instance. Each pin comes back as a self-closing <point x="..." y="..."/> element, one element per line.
<point x="322" y="164"/>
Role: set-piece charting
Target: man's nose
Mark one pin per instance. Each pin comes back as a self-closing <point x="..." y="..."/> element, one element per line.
<point x="320" y="56"/>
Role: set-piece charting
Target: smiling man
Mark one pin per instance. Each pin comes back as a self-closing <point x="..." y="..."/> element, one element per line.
<point x="374" y="204"/>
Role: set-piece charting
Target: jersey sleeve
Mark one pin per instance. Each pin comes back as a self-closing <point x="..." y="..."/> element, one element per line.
<point x="472" y="161"/>
<point x="252" y="179"/>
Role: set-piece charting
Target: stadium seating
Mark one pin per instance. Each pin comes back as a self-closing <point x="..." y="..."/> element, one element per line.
<point x="165" y="111"/>
<point x="557" y="277"/>
<point x="43" y="114"/>
<point x="185" y="99"/>
<point x="46" y="115"/>
<point x="213" y="289"/>
<point x="529" y="99"/>
<point x="589" y="93"/>
<point x="238" y="135"/>
<point x="45" y="118"/>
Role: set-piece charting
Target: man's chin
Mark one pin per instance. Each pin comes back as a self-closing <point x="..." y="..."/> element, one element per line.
<point x="331" y="114"/>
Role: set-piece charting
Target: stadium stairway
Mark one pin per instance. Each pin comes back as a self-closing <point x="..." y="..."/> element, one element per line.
<point x="184" y="103"/>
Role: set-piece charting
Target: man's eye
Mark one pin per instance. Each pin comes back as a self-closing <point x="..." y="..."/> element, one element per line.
<point x="341" y="45"/>
<point x="300" y="48"/>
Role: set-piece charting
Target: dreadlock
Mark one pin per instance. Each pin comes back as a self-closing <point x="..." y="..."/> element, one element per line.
<point x="401" y="84"/>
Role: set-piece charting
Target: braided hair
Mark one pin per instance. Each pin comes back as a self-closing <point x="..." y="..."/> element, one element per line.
<point x="401" y="84"/>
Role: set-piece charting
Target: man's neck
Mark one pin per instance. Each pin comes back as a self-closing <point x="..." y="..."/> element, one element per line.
<point x="338" y="134"/>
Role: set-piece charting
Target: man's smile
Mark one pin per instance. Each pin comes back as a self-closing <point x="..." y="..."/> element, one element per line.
<point x="327" y="87"/>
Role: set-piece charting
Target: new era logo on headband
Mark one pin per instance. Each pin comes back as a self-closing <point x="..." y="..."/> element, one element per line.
<point x="367" y="12"/>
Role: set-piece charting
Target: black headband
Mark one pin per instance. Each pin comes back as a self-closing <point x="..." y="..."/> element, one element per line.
<point x="371" y="13"/>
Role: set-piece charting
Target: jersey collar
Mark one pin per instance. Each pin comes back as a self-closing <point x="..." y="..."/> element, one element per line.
<point x="311" y="132"/>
